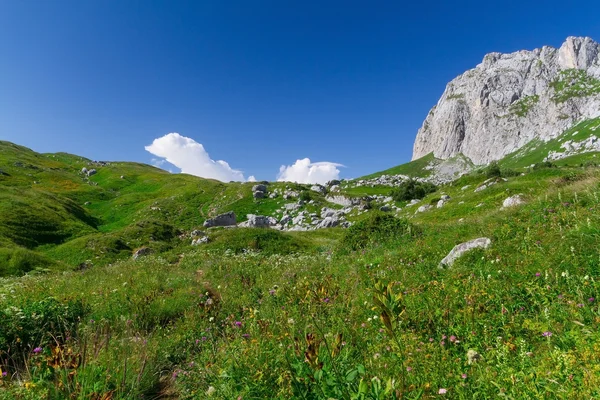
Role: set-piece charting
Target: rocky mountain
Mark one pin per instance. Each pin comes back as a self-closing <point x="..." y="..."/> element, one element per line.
<point x="510" y="99"/>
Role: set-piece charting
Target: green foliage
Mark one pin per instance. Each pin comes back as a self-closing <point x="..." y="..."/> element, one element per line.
<point x="376" y="228"/>
<point x="416" y="168"/>
<point x="412" y="189"/>
<point x="522" y="106"/>
<point x="19" y="261"/>
<point x="305" y="196"/>
<point x="266" y="241"/>
<point x="37" y="324"/>
<point x="574" y="83"/>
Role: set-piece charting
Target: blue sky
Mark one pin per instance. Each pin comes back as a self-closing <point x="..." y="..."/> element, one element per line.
<point x="259" y="84"/>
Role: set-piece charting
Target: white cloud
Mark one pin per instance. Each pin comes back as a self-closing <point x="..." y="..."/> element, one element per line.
<point x="251" y="178"/>
<point x="188" y="155"/>
<point x="303" y="171"/>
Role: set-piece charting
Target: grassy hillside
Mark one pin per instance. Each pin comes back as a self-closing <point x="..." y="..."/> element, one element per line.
<point x="414" y="168"/>
<point x="59" y="218"/>
<point x="363" y="313"/>
<point x="536" y="151"/>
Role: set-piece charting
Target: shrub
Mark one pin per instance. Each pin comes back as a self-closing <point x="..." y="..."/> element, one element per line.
<point x="544" y="164"/>
<point x="377" y="228"/>
<point x="412" y="189"/>
<point x="493" y="170"/>
<point x="19" y="261"/>
<point x="38" y="324"/>
<point x="305" y="196"/>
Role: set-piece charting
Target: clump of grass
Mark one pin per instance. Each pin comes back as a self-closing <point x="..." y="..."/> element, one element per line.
<point x="377" y="228"/>
<point x="412" y="189"/>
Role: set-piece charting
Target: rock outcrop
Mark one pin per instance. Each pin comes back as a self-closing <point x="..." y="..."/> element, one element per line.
<point x="460" y="249"/>
<point x="510" y="99"/>
<point x="227" y="219"/>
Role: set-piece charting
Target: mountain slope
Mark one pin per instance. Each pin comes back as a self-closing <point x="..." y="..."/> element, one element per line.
<point x="511" y="99"/>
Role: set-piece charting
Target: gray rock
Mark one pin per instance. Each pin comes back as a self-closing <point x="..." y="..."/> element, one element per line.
<point x="441" y="203"/>
<point x="509" y="100"/>
<point x="424" y="208"/>
<point x="445" y="197"/>
<point x="385" y="208"/>
<point x="460" y="249"/>
<point x="144" y="251"/>
<point x="84" y="170"/>
<point x="258" y="195"/>
<point x="227" y="219"/>
<point x="259" y="188"/>
<point x="258" y="221"/>
<point x="513" y="201"/>
<point x="91" y="172"/>
<point x="196" y="233"/>
<point x="329" y="222"/>
<point x="318" y="189"/>
<point x="199" y="241"/>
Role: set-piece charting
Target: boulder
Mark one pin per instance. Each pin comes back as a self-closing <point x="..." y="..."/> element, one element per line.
<point x="329" y="222"/>
<point x="196" y="233"/>
<point x="385" y="208"/>
<point x="513" y="201"/>
<point x="201" y="240"/>
<point x="141" y="252"/>
<point x="441" y="203"/>
<point x="258" y="221"/>
<point x="259" y="188"/>
<point x="227" y="219"/>
<point x="91" y="172"/>
<point x="424" y="208"/>
<point x="318" y="189"/>
<point x="460" y="249"/>
<point x="258" y="195"/>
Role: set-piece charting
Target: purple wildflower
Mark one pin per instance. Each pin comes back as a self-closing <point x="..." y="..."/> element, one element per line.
<point x="4" y="373"/>
<point x="547" y="334"/>
<point x="237" y="323"/>
<point x="442" y="391"/>
<point x="537" y="274"/>
<point x="37" y="350"/>
<point x="591" y="299"/>
<point x="464" y="376"/>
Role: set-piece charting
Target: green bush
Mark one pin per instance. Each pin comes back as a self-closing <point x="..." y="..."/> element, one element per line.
<point x="412" y="189"/>
<point x="19" y="261"/>
<point x="493" y="170"/>
<point x="305" y="196"/>
<point x="37" y="324"/>
<point x="544" y="164"/>
<point x="267" y="241"/>
<point x="377" y="228"/>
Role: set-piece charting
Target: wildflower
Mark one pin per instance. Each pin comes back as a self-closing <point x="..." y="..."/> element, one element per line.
<point x="376" y="356"/>
<point x="272" y="292"/>
<point x="538" y="274"/>
<point x="408" y="369"/>
<point x="326" y="300"/>
<point x="453" y="338"/>
<point x="579" y="305"/>
<point x="197" y="341"/>
<point x="245" y="336"/>
<point x="37" y="350"/>
<point x="210" y="391"/>
<point x="442" y="391"/>
<point x="591" y="299"/>
<point x="204" y="338"/>
<point x="464" y="376"/>
<point x="547" y="334"/>
<point x="175" y="374"/>
<point x="291" y="321"/>
<point x="237" y="323"/>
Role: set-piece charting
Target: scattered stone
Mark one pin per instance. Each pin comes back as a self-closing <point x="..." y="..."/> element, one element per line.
<point x="441" y="203"/>
<point x="258" y="195"/>
<point x="227" y="219"/>
<point x="513" y="201"/>
<point x="84" y="170"/>
<point x="196" y="233"/>
<point x="385" y="208"/>
<point x="258" y="221"/>
<point x="424" y="208"/>
<point x="199" y="241"/>
<point x="144" y="251"/>
<point x="460" y="249"/>
<point x="445" y="197"/>
<point x="259" y="188"/>
<point x="465" y="187"/>
<point x="91" y="172"/>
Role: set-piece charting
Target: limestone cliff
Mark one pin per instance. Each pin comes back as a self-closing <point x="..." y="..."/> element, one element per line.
<point x="510" y="99"/>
